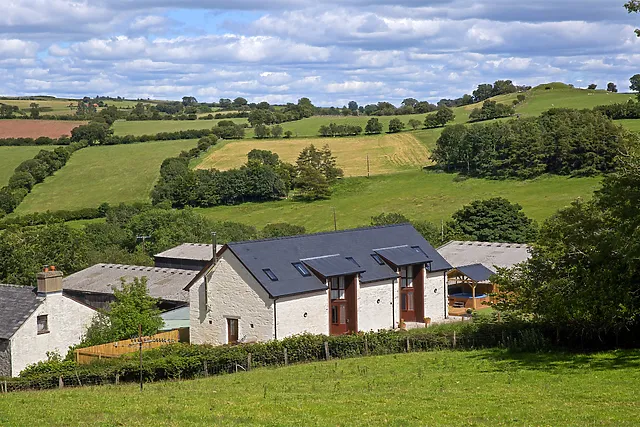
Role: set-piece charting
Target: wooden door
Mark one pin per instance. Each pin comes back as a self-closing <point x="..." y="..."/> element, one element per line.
<point x="232" y="331"/>
<point x="407" y="295"/>
<point x="338" y="306"/>
<point x="418" y="292"/>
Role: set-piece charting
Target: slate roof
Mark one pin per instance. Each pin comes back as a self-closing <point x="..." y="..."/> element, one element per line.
<point x="459" y="253"/>
<point x="192" y="251"/>
<point x="279" y="254"/>
<point x="403" y="255"/>
<point x="476" y="272"/>
<point x="17" y="303"/>
<point x="164" y="283"/>
<point x="333" y="265"/>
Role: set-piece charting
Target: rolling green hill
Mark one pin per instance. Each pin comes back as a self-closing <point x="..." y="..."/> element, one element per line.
<point x="438" y="388"/>
<point x="418" y="195"/>
<point x="113" y="174"/>
<point x="11" y="157"/>
<point x="152" y="127"/>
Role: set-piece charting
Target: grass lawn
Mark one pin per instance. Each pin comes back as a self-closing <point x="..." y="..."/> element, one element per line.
<point x="387" y="153"/>
<point x="11" y="157"/>
<point x="633" y="125"/>
<point x="151" y="127"/>
<point x="417" y="194"/>
<point x="113" y="174"/>
<point x="442" y="388"/>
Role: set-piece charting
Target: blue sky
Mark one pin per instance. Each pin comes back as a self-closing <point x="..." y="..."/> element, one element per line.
<point x="330" y="51"/>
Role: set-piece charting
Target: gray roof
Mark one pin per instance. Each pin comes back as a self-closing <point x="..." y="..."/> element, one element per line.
<point x="491" y="255"/>
<point x="403" y="255"/>
<point x="476" y="272"/>
<point x="333" y="265"/>
<point x="279" y="254"/>
<point x="193" y="251"/>
<point x="17" y="303"/>
<point x="164" y="283"/>
<point x="175" y="319"/>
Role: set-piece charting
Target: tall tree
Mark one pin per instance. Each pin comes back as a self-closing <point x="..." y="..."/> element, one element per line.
<point x="635" y="84"/>
<point x="633" y="6"/>
<point x="611" y="87"/>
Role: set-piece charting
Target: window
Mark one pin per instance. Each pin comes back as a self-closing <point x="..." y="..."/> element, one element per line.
<point x="353" y="261"/>
<point x="407" y="301"/>
<point x="339" y="314"/>
<point x="377" y="258"/>
<point x="43" y="324"/>
<point x="337" y="287"/>
<point x="419" y="250"/>
<point x="270" y="275"/>
<point x="301" y="269"/>
<point x="406" y="277"/>
<point x="232" y="331"/>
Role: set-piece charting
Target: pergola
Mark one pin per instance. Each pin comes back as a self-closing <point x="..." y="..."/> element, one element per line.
<point x="472" y="276"/>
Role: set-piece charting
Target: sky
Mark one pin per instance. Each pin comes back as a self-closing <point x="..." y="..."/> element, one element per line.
<point x="330" y="51"/>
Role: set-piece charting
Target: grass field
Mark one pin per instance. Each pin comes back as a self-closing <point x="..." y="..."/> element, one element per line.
<point x="11" y="157"/>
<point x="150" y="127"/>
<point x="387" y="153"/>
<point x="633" y="125"/>
<point x="62" y="105"/>
<point x="113" y="174"/>
<point x="444" y="388"/>
<point x="417" y="194"/>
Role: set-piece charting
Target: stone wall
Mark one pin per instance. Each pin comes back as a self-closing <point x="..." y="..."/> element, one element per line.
<point x="5" y="358"/>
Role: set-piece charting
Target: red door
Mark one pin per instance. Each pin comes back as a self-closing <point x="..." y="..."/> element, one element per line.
<point x="338" y="306"/>
<point x="407" y="295"/>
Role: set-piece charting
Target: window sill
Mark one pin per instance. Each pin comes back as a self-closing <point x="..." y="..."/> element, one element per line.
<point x="43" y="332"/>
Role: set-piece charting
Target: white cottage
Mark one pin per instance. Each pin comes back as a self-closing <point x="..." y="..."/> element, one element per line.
<point x="33" y="323"/>
<point x="326" y="283"/>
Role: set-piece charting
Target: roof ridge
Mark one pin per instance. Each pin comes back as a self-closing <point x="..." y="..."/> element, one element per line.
<point x="141" y="267"/>
<point x="9" y="285"/>
<point x="320" y="233"/>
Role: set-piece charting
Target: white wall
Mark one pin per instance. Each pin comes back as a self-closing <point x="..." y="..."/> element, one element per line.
<point x="198" y="317"/>
<point x="232" y="293"/>
<point x="375" y="306"/>
<point x="68" y="321"/>
<point x="435" y="295"/>
<point x="290" y="314"/>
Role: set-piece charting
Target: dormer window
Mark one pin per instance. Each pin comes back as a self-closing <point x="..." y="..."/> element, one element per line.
<point x="419" y="250"/>
<point x="302" y="269"/>
<point x="270" y="274"/>
<point x="349" y="258"/>
<point x="377" y="258"/>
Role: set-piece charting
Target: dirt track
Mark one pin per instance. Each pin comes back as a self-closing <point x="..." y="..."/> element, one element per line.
<point x="36" y="128"/>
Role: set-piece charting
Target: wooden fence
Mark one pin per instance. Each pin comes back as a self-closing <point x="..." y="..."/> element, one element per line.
<point x="118" y="348"/>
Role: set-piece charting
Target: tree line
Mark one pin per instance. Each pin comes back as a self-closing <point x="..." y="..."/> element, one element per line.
<point x="560" y="141"/>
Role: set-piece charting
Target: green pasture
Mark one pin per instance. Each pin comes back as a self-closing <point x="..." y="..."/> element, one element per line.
<point x="419" y="195"/>
<point x="113" y="174"/>
<point x="151" y="127"/>
<point x="11" y="157"/>
<point x="440" y="388"/>
<point x="632" y="125"/>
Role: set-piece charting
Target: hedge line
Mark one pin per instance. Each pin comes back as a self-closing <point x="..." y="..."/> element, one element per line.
<point x="184" y="361"/>
<point x="39" y="218"/>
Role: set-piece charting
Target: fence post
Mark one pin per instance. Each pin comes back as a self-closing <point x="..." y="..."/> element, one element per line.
<point x="366" y="346"/>
<point x="454" y="339"/>
<point x="326" y="350"/>
<point x="206" y="369"/>
<point x="248" y="361"/>
<point x="408" y="345"/>
<point x="117" y="378"/>
<point x="286" y="357"/>
<point x="60" y="382"/>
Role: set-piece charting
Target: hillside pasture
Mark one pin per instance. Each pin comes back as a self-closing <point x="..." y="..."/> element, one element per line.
<point x="439" y="388"/>
<point x="112" y="174"/>
<point x="632" y="125"/>
<point x="11" y="157"/>
<point x="387" y="153"/>
<point x="48" y="105"/>
<point x="152" y="127"/>
<point x="419" y="195"/>
<point x="19" y="128"/>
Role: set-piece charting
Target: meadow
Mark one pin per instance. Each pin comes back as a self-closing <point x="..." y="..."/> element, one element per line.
<point x="440" y="388"/>
<point x="420" y="195"/>
<point x="632" y="125"/>
<point x="387" y="153"/>
<point x="151" y="127"/>
<point x="112" y="174"/>
<point x="11" y="157"/>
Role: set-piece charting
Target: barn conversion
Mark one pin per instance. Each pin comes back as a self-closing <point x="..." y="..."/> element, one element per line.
<point x="326" y="283"/>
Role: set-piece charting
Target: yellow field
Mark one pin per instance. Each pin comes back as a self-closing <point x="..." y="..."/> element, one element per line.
<point x="387" y="153"/>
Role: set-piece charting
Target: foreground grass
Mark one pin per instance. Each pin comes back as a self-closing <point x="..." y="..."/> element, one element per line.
<point x="445" y="388"/>
<point x="11" y="157"/>
<point x="417" y="194"/>
<point x="386" y="153"/>
<point x="113" y="174"/>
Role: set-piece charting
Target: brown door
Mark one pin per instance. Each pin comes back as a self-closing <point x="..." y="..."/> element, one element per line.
<point x="338" y="306"/>
<point x="232" y="331"/>
<point x="407" y="295"/>
<point x="418" y="292"/>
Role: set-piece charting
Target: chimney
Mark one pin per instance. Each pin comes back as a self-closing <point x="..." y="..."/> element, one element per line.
<point x="49" y="281"/>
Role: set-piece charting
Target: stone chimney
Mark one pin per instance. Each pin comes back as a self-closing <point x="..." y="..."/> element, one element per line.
<point x="49" y="281"/>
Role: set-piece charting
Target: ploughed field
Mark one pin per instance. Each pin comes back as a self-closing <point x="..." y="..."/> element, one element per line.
<point x="419" y="195"/>
<point x="440" y="388"/>
<point x="387" y="153"/>
<point x="19" y="128"/>
<point x="11" y="157"/>
<point x="113" y="174"/>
